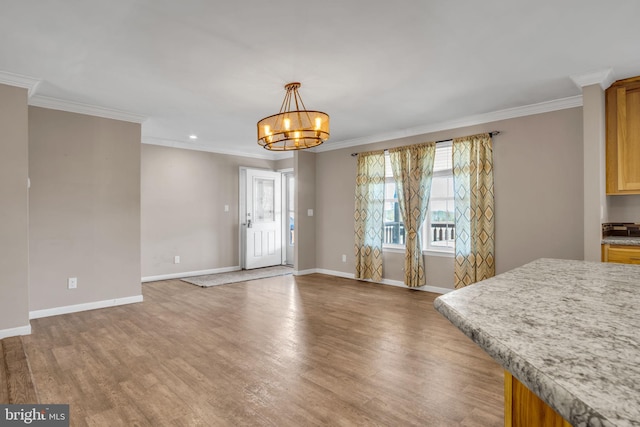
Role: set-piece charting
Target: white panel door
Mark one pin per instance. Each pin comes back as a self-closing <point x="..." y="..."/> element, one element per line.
<point x="263" y="222"/>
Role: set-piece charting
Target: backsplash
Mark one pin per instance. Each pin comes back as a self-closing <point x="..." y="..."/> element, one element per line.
<point x="621" y="229"/>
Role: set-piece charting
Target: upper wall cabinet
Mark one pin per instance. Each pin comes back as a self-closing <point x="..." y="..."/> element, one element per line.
<point x="623" y="137"/>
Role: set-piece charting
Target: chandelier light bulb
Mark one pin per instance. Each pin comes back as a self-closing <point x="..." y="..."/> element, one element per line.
<point x="294" y="127"/>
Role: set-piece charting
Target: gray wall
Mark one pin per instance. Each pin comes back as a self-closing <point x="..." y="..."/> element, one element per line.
<point x="84" y="208"/>
<point x="283" y="164"/>
<point x="183" y="197"/>
<point x="624" y="208"/>
<point x="14" y="215"/>
<point x="538" y="163"/>
<point x="305" y="199"/>
<point x="594" y="169"/>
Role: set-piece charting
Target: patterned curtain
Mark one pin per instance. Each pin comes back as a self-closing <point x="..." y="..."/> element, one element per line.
<point x="368" y="215"/>
<point x="474" y="216"/>
<point x="412" y="171"/>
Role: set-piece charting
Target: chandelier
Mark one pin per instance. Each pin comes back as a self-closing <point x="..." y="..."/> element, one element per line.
<point x="293" y="129"/>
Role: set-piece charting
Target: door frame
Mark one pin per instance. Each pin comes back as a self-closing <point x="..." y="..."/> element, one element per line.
<point x="242" y="213"/>
<point x="285" y="216"/>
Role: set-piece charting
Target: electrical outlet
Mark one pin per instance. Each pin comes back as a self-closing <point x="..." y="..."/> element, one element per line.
<point x="176" y="259"/>
<point x="72" y="282"/>
<point x="344" y="258"/>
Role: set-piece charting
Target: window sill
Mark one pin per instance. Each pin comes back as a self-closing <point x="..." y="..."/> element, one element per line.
<point x="394" y="249"/>
<point x="397" y="249"/>
<point x="437" y="253"/>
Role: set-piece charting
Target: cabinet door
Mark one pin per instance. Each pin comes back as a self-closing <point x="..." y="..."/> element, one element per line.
<point x="621" y="254"/>
<point x="628" y="138"/>
<point x="522" y="408"/>
<point x="623" y="137"/>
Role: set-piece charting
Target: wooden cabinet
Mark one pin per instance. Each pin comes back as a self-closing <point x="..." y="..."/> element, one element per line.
<point x="621" y="253"/>
<point x="623" y="136"/>
<point x="522" y="408"/>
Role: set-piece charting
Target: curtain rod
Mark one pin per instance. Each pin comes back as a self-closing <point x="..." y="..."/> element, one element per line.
<point x="492" y="133"/>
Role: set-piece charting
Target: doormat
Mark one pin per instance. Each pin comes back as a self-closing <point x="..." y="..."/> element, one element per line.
<point x="238" y="276"/>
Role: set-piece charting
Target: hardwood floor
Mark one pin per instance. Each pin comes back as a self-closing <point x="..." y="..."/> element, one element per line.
<point x="282" y="351"/>
<point x="16" y="385"/>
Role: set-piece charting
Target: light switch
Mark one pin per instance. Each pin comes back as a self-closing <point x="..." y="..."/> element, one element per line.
<point x="309" y="212"/>
<point x="226" y="208"/>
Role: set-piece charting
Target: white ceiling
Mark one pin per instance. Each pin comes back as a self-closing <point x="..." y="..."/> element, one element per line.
<point x="214" y="68"/>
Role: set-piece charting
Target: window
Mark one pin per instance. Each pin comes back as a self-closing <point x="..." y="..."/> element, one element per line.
<point x="393" y="226"/>
<point x="438" y="233"/>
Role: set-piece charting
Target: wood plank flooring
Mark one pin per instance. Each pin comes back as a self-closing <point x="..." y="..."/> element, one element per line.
<point x="283" y="351"/>
<point x="16" y="385"/>
<point x="4" y="382"/>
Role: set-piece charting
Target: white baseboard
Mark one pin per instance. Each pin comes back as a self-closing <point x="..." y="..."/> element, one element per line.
<point x="36" y="314"/>
<point x="398" y="283"/>
<point x="426" y="288"/>
<point x="304" y="272"/>
<point x="190" y="274"/>
<point x="14" y="332"/>
<point x="336" y="273"/>
<point x="434" y="289"/>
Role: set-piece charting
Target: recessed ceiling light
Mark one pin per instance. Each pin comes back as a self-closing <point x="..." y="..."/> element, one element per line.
<point x="193" y="136"/>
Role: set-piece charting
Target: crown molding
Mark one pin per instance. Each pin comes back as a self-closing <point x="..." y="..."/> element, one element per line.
<point x="604" y="78"/>
<point x="478" y="119"/>
<point x="150" y="140"/>
<point x="80" y="108"/>
<point x="18" y="80"/>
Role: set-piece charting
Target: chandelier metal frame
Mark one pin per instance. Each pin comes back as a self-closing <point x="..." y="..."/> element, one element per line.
<point x="294" y="127"/>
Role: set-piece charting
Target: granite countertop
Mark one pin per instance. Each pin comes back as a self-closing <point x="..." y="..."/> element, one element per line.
<point x="621" y="240"/>
<point x="568" y="330"/>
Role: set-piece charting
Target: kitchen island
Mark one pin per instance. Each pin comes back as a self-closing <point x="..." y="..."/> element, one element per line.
<point x="567" y="330"/>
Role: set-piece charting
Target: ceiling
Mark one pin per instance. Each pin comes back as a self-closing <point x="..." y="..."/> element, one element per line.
<point x="377" y="67"/>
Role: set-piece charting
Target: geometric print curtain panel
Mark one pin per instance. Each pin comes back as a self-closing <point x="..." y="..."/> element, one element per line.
<point x="368" y="215"/>
<point x="474" y="209"/>
<point x="412" y="171"/>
